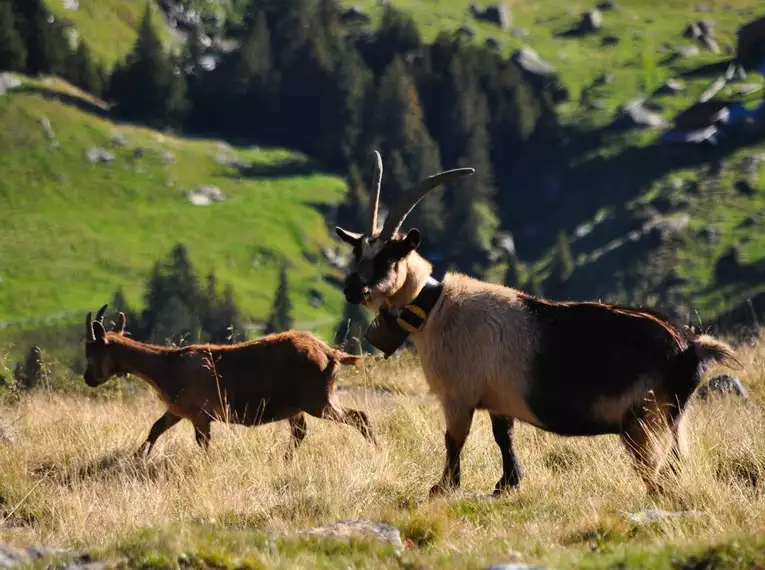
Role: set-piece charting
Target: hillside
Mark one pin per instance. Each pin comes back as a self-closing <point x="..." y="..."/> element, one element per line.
<point x="74" y="231"/>
<point x="611" y="183"/>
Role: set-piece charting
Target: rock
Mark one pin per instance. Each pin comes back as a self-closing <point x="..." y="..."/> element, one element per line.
<point x="709" y="234"/>
<point x="167" y="157"/>
<point x="591" y="21"/>
<point x="8" y="82"/>
<point x="118" y="139"/>
<point x="692" y="31"/>
<point x="706" y="27"/>
<point x="47" y="128"/>
<point x="655" y="515"/>
<point x="634" y="114"/>
<point x="465" y="30"/>
<point x="355" y="14"/>
<point x="607" y="6"/>
<point x="746" y="88"/>
<point x="709" y="44"/>
<point x="359" y="527"/>
<point x="723" y="385"/>
<point x="95" y="155"/>
<point x="603" y="79"/>
<point x="505" y="242"/>
<point x="11" y="557"/>
<point x="519" y="32"/>
<point x="315" y="298"/>
<point x="743" y="187"/>
<point x="673" y="85"/>
<point x="493" y="44"/>
<point x="748" y="222"/>
<point x="498" y="14"/>
<point x="750" y="164"/>
<point x="73" y="5"/>
<point x="610" y="40"/>
<point x="687" y="51"/>
<point x="205" y="195"/>
<point x="530" y="62"/>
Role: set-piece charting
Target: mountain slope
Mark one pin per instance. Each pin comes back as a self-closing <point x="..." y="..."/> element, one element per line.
<point x="72" y="231"/>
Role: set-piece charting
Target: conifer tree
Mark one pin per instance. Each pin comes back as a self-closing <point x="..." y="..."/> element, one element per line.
<point x="83" y="72"/>
<point x="280" y="318"/>
<point x="147" y="87"/>
<point x="13" y="52"/>
<point x="397" y="127"/>
<point x="46" y="45"/>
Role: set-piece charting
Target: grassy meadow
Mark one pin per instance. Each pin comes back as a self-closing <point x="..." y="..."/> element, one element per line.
<point x="73" y="232"/>
<point x="68" y="479"/>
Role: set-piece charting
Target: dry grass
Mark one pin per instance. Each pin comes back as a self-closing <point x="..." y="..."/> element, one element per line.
<point x="68" y="478"/>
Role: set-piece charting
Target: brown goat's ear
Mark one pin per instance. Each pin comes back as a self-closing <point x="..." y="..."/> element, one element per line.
<point x="348" y="237"/>
<point x="99" y="332"/>
<point x="119" y="326"/>
<point x="399" y="249"/>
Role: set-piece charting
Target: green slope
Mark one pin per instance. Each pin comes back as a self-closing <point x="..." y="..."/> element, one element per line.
<point x="72" y="232"/>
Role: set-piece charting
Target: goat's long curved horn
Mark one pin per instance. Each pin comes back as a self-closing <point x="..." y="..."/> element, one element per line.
<point x="100" y="314"/>
<point x="376" y="182"/>
<point x="411" y="198"/>
<point x="89" y="335"/>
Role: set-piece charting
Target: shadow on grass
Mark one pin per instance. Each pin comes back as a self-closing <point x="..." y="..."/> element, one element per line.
<point x="67" y="99"/>
<point x="117" y="465"/>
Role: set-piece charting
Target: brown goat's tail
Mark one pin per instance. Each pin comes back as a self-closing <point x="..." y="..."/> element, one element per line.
<point x="349" y="359"/>
<point x="710" y="349"/>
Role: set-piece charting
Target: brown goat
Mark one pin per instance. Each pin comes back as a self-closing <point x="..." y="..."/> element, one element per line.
<point x="276" y="377"/>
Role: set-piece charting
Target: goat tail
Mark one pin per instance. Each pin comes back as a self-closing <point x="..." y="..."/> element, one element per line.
<point x="710" y="349"/>
<point x="349" y="359"/>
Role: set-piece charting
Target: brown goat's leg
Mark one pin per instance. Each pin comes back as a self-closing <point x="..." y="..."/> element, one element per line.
<point x="351" y="417"/>
<point x="648" y="437"/>
<point x="163" y="424"/>
<point x="503" y="427"/>
<point x="202" y="431"/>
<point x="458" y="421"/>
<point x="298" y="431"/>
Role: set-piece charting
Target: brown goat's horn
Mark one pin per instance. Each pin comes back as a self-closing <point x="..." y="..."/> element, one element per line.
<point x="411" y="197"/>
<point x="377" y="182"/>
<point x="119" y="326"/>
<point x="89" y="334"/>
<point x="100" y="314"/>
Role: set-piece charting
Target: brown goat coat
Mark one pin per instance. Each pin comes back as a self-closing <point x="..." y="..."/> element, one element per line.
<point x="276" y="377"/>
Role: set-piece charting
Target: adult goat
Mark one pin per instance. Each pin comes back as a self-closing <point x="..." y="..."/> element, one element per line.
<point x="571" y="368"/>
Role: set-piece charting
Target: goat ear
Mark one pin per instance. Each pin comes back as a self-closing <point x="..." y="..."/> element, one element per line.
<point x="100" y="333"/>
<point x="399" y="249"/>
<point x="348" y="237"/>
<point x="119" y="326"/>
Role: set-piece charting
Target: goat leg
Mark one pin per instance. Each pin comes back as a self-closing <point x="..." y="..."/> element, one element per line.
<point x="502" y="427"/>
<point x="163" y="424"/>
<point x="202" y="432"/>
<point x="458" y="420"/>
<point x="298" y="431"/>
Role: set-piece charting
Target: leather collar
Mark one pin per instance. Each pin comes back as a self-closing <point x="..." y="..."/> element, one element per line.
<point x="413" y="316"/>
<point x="390" y="329"/>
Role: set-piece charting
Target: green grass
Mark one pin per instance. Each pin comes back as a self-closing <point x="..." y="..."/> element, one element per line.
<point x="72" y="232"/>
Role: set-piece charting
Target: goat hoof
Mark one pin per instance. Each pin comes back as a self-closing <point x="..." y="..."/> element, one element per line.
<point x="504" y="485"/>
<point x="438" y="490"/>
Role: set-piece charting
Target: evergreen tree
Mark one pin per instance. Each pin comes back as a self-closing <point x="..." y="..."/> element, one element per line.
<point x="513" y="274"/>
<point x="397" y="36"/>
<point x="13" y="52"/>
<point x="280" y="318"/>
<point x="173" y="282"/>
<point x="83" y="72"/>
<point x="46" y="45"/>
<point x="396" y="126"/>
<point x="147" y="87"/>
<point x="562" y="266"/>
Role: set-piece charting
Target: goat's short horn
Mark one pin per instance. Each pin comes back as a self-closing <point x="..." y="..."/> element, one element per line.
<point x="100" y="314"/>
<point x="89" y="334"/>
